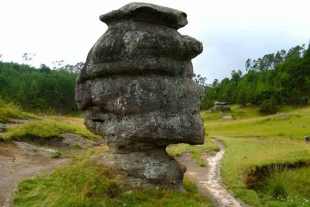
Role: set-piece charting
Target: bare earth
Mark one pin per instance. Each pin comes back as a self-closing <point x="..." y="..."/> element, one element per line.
<point x="19" y="161"/>
<point x="208" y="180"/>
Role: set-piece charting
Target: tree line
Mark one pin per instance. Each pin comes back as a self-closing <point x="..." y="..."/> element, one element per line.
<point x="277" y="78"/>
<point x="39" y="89"/>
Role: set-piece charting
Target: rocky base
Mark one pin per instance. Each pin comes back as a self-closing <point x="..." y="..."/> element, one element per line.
<point x="146" y="169"/>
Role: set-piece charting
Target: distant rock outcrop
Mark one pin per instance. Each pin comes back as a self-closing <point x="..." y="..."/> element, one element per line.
<point x="219" y="105"/>
<point x="228" y="117"/>
<point x="137" y="92"/>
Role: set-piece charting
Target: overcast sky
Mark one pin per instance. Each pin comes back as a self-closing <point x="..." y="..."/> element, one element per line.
<point x="231" y="31"/>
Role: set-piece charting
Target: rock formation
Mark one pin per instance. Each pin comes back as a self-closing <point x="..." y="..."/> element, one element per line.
<point x="137" y="92"/>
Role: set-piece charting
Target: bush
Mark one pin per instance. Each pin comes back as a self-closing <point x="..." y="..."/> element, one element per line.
<point x="269" y="106"/>
<point x="2" y="103"/>
<point x="279" y="191"/>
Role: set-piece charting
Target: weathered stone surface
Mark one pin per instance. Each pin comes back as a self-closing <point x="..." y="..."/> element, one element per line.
<point x="152" y="168"/>
<point x="146" y="13"/>
<point x="137" y="92"/>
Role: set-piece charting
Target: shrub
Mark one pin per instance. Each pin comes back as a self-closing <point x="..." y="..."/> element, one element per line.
<point x="279" y="192"/>
<point x="269" y="106"/>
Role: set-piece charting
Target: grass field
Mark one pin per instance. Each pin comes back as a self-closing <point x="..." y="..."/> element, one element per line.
<point x="294" y="124"/>
<point x="40" y="128"/>
<point x="9" y="112"/>
<point x="84" y="184"/>
<point x="44" y="129"/>
<point x="246" y="154"/>
<point x="256" y="142"/>
<point x="196" y="151"/>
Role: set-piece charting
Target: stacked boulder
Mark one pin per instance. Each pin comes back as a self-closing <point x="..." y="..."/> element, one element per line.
<point x="137" y="92"/>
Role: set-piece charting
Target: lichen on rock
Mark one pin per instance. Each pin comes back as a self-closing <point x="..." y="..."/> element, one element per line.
<point x="137" y="92"/>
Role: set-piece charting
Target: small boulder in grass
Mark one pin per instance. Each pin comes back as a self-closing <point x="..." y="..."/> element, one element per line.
<point x="229" y="117"/>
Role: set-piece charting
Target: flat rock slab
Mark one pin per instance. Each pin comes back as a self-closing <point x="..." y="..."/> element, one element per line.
<point x="77" y="141"/>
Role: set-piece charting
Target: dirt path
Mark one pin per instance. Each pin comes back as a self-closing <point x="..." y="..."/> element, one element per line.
<point x="19" y="161"/>
<point x="208" y="178"/>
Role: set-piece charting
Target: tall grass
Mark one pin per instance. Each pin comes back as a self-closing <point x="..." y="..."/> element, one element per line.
<point x="287" y="188"/>
<point x="40" y="129"/>
<point x="11" y="111"/>
<point x="246" y="154"/>
<point x="84" y="184"/>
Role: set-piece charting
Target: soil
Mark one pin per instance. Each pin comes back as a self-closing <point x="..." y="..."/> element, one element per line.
<point x="208" y="178"/>
<point x="19" y="161"/>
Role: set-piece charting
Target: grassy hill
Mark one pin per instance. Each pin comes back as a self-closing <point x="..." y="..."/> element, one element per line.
<point x="38" y="128"/>
<point x="288" y="123"/>
<point x="266" y="161"/>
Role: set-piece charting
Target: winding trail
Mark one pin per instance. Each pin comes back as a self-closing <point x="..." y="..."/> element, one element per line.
<point x="208" y="178"/>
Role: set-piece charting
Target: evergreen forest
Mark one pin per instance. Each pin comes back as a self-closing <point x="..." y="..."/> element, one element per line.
<point x="39" y="89"/>
<point x="281" y="78"/>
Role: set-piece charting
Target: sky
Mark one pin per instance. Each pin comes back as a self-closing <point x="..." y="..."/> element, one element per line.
<point x="231" y="30"/>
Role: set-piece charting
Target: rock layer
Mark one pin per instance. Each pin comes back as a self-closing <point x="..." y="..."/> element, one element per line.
<point x="137" y="91"/>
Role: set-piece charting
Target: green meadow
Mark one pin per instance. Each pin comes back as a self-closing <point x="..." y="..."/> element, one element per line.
<point x="290" y="123"/>
<point x="39" y="129"/>
<point x="266" y="161"/>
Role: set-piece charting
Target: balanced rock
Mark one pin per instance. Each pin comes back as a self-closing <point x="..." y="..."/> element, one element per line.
<point x="137" y="92"/>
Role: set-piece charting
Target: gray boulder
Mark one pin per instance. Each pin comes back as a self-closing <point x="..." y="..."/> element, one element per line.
<point x="229" y="117"/>
<point x="137" y="92"/>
